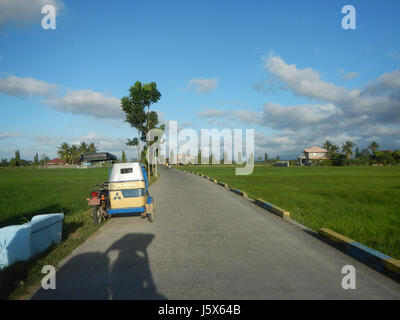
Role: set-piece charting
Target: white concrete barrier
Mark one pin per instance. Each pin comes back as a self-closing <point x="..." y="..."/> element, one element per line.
<point x="20" y="243"/>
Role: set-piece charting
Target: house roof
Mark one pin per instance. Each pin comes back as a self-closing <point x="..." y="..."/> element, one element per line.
<point x="316" y="150"/>
<point x="56" y="161"/>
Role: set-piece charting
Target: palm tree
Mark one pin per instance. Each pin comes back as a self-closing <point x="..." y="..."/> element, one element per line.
<point x="373" y="146"/>
<point x="327" y="145"/>
<point x="75" y="154"/>
<point x="92" y="148"/>
<point x="83" y="147"/>
<point x="347" y="148"/>
<point x="134" y="142"/>
<point x="64" y="152"/>
<point x="334" y="148"/>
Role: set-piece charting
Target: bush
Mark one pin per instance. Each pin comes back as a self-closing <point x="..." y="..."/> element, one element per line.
<point x="384" y="157"/>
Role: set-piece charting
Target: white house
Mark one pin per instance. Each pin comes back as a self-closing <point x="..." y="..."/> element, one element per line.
<point x="313" y="154"/>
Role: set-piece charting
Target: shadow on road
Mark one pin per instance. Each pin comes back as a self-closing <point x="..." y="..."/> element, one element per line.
<point x="122" y="272"/>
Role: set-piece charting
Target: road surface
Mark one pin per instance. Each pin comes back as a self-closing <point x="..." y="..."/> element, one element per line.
<point x="208" y="243"/>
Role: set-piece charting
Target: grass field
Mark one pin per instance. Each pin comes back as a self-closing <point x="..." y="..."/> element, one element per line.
<point x="26" y="192"/>
<point x="362" y="203"/>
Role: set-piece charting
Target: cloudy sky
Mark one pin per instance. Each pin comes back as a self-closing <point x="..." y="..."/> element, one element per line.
<point x="285" y="68"/>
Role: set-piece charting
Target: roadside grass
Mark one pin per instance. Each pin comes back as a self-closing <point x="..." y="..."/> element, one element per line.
<point x="362" y="203"/>
<point x="26" y="192"/>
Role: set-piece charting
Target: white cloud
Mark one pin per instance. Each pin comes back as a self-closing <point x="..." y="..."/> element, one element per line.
<point x="380" y="100"/>
<point x="5" y="135"/>
<point x="202" y="85"/>
<point x="87" y="102"/>
<point x="213" y="113"/>
<point x="297" y="117"/>
<point x="390" y="80"/>
<point x="25" y="11"/>
<point x="304" y="82"/>
<point x="350" y="75"/>
<point x="248" y="116"/>
<point x="15" y="86"/>
<point x="84" y="102"/>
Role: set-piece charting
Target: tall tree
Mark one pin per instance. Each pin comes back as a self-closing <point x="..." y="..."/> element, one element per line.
<point x="134" y="143"/>
<point x="373" y="146"/>
<point x="75" y="153"/>
<point x="347" y="149"/>
<point x="327" y="145"/>
<point x="199" y="160"/>
<point x="123" y="157"/>
<point x="83" y="147"/>
<point x="36" y="159"/>
<point x="151" y="96"/>
<point x="17" y="158"/>
<point x="265" y="157"/>
<point x="357" y="155"/>
<point x="134" y="105"/>
<point x="64" y="152"/>
<point x="92" y="148"/>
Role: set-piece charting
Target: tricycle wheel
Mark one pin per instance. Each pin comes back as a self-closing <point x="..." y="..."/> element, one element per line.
<point x="95" y="217"/>
<point x="150" y="216"/>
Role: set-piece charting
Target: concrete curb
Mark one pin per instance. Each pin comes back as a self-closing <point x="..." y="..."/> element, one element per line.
<point x="366" y="255"/>
<point x="274" y="209"/>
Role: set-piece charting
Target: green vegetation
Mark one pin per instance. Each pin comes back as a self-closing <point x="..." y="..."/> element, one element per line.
<point x="27" y="192"/>
<point x="363" y="157"/>
<point x="134" y="106"/>
<point x="72" y="153"/>
<point x="362" y="203"/>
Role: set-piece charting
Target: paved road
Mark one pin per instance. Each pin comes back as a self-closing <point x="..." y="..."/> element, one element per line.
<point x="208" y="243"/>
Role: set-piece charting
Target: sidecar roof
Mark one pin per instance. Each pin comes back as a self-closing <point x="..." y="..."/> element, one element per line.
<point x="131" y="171"/>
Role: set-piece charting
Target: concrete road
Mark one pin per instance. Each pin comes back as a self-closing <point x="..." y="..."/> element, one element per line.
<point x="208" y="243"/>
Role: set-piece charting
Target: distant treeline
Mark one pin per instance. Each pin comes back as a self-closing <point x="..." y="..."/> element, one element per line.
<point x="366" y="156"/>
<point x="70" y="154"/>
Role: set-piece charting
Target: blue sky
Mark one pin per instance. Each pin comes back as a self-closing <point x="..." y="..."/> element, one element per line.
<point x="285" y="68"/>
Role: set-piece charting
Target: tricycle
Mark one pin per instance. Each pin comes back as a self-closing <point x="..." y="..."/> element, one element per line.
<point x="127" y="191"/>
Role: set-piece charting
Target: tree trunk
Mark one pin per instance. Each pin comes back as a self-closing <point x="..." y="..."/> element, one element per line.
<point x="148" y="142"/>
<point x="138" y="146"/>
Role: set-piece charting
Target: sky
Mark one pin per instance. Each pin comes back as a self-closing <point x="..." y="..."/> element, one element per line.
<point x="286" y="69"/>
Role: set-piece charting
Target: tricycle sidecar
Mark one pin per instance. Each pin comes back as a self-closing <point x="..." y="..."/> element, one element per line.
<point x="126" y="192"/>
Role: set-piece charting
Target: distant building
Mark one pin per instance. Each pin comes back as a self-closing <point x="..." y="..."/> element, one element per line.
<point x="55" y="161"/>
<point x="282" y="164"/>
<point x="312" y="155"/>
<point x="186" y="159"/>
